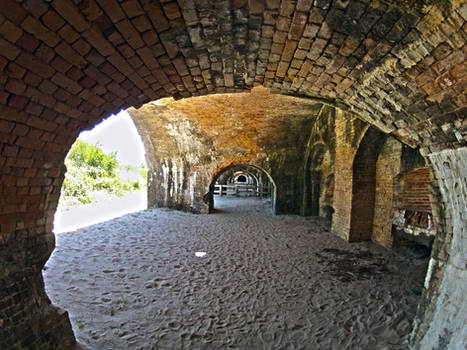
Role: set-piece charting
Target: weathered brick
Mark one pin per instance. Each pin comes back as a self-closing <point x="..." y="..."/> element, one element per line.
<point x="132" y="8"/>
<point x="98" y="41"/>
<point x="289" y="50"/>
<point x="112" y="9"/>
<point x="44" y="53"/>
<point x="67" y="52"/>
<point x="171" y="10"/>
<point x="81" y="47"/>
<point x="12" y="10"/>
<point x="66" y="83"/>
<point x="53" y="21"/>
<point x="156" y="16"/>
<point x="142" y="24"/>
<point x="10" y="31"/>
<point x="130" y="34"/>
<point x="34" y="27"/>
<point x="298" y="25"/>
<point x="32" y="79"/>
<point x="68" y="10"/>
<point x="59" y="64"/>
<point x="34" y="108"/>
<point x="15" y="86"/>
<point x="8" y="50"/>
<point x="68" y="34"/>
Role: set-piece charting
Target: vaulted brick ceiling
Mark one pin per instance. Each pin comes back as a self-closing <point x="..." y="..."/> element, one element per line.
<point x="69" y="63"/>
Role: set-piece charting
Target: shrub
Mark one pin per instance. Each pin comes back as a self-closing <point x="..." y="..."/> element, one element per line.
<point x="89" y="169"/>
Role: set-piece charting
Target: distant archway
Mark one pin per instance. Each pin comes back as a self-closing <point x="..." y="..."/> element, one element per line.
<point x="253" y="175"/>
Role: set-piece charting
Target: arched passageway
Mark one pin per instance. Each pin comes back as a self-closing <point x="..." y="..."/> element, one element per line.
<point x="364" y="185"/>
<point x="256" y="182"/>
<point x="105" y="178"/>
<point x="68" y="64"/>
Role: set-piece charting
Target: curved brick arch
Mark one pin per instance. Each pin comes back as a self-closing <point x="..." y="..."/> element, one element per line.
<point x="210" y="195"/>
<point x="66" y="64"/>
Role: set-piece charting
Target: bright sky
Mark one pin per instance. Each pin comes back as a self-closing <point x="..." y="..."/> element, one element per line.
<point x="118" y="134"/>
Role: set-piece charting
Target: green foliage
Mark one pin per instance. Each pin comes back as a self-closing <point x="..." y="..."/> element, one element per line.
<point x="90" y="170"/>
<point x="83" y="154"/>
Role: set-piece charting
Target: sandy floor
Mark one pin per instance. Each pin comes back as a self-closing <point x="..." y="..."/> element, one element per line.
<point x="265" y="282"/>
<point x="104" y="207"/>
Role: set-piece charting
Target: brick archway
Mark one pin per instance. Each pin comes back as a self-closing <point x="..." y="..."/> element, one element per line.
<point x="68" y="64"/>
<point x="209" y="197"/>
<point x="364" y="185"/>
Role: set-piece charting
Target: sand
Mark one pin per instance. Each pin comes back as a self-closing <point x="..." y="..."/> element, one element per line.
<point x="265" y="282"/>
<point x="103" y="208"/>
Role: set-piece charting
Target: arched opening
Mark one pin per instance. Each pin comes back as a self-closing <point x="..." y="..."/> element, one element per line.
<point x="412" y="220"/>
<point x="241" y="181"/>
<point x="106" y="175"/>
<point x="241" y="178"/>
<point x="364" y="185"/>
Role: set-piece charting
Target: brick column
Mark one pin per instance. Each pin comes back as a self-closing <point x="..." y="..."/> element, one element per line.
<point x="29" y="198"/>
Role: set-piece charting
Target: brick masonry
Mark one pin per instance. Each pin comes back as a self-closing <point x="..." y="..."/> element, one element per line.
<point x="388" y="166"/>
<point x="68" y="64"/>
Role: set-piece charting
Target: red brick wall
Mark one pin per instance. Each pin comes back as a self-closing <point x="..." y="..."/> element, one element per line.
<point x="416" y="190"/>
